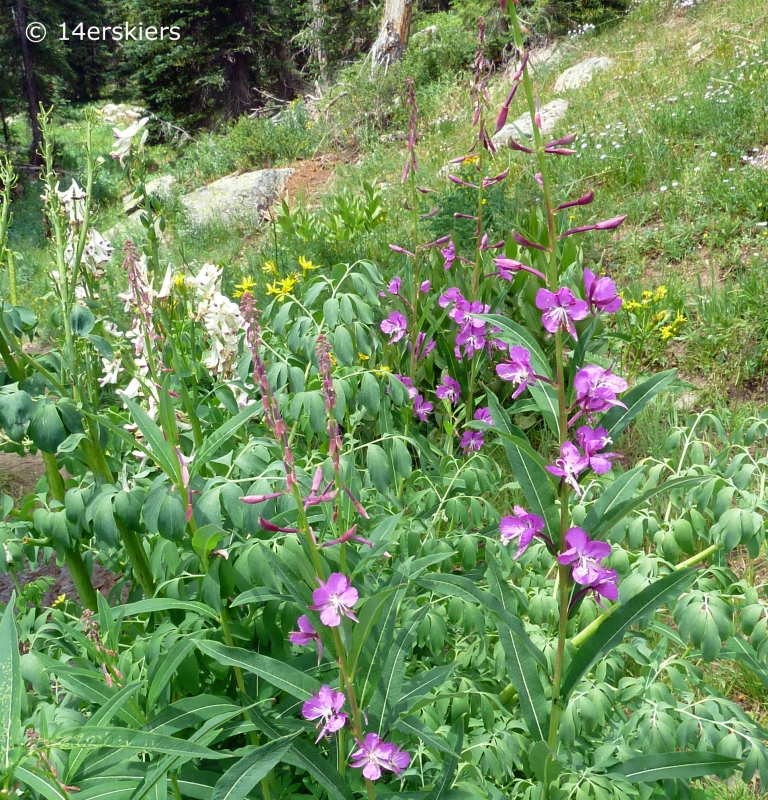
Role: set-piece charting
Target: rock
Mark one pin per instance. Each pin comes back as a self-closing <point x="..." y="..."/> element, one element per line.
<point x="119" y="114"/>
<point x="686" y="401"/>
<point x="540" y="57"/>
<point x="551" y="114"/>
<point x="425" y="33"/>
<point x="581" y="74"/>
<point x="243" y="195"/>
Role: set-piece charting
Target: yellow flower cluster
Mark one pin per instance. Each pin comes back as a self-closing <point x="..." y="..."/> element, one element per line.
<point x="269" y="267"/>
<point x="668" y="331"/>
<point x="247" y="284"/>
<point x="306" y="264"/>
<point x="647" y="298"/>
<point x="283" y="288"/>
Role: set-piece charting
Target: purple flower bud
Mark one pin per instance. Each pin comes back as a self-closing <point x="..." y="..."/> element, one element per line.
<point x="401" y="250"/>
<point x="559" y="151"/>
<point x="436" y="242"/>
<point x="457" y="180"/>
<point x="266" y="525"/>
<point x="431" y="214"/>
<point x="601" y="293"/>
<point x="508" y="268"/>
<point x="513" y="145"/>
<point x="606" y="225"/>
<point x="424" y="287"/>
<point x="582" y="201"/>
<point x="521" y="68"/>
<point x="569" y="139"/>
<point x="496" y="179"/>
<point x="539" y="179"/>
<point x="521" y="240"/>
<point x="464" y="216"/>
<point x="255" y="499"/>
<point x="537" y="115"/>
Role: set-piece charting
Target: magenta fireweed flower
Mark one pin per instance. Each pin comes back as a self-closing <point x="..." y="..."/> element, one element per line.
<point x="521" y="527"/>
<point x="606" y="225"/>
<point x="374" y="755"/>
<point x="334" y="599"/>
<point x="592" y="442"/>
<point x="508" y="269"/>
<point x="395" y="326"/>
<point x="394" y="286"/>
<point x="449" y="254"/>
<point x="423" y="348"/>
<point x="484" y="415"/>
<point x="425" y="286"/>
<point x="471" y="338"/>
<point x="306" y="634"/>
<point x="606" y="585"/>
<point x="449" y="299"/>
<point x="422" y="408"/>
<point x="570" y="465"/>
<point x="517" y="370"/>
<point x="560" y="310"/>
<point x="472" y="442"/>
<point x="601" y="293"/>
<point x="582" y="201"/>
<point x="585" y="555"/>
<point x="326" y="706"/>
<point x="596" y="389"/>
<point x="449" y="390"/>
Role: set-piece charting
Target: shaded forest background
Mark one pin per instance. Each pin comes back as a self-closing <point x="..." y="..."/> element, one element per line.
<point x="233" y="56"/>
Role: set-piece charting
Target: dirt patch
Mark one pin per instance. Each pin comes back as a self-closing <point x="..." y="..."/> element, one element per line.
<point x="20" y="474"/>
<point x="311" y="178"/>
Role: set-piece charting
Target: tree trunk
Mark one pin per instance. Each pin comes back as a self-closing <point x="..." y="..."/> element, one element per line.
<point x="318" y="47"/>
<point x="394" y="33"/>
<point x="30" y="88"/>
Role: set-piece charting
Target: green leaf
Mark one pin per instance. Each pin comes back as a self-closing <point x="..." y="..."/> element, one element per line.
<point x="343" y="347"/>
<point x="611" y="631"/>
<point x="616" y="511"/>
<point x="278" y="673"/>
<point x="261" y="594"/>
<point x="219" y="437"/>
<point x="11" y="684"/>
<point x="379" y="468"/>
<point x="680" y="765"/>
<point x="367" y="617"/>
<point x="81" y="320"/>
<point x="388" y="690"/>
<point x="370" y="393"/>
<point x="314" y="405"/>
<point x="527" y="469"/>
<point x="413" y="726"/>
<point x="635" y="401"/>
<point x="243" y="776"/>
<point x="132" y="740"/>
<point x="524" y="675"/>
<point x="39" y="784"/>
<point x="401" y="458"/>
<point x="170" y="662"/>
<point x="103" y="347"/>
<point x="377" y="645"/>
<point x="614" y="496"/>
<point x="422" y="684"/>
<point x="46" y="429"/>
<point x="156" y="604"/>
<point x="445" y="778"/>
<point x="159" y="449"/>
<point x="16" y="412"/>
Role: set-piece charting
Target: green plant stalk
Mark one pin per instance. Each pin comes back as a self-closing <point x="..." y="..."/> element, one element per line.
<point x="73" y="558"/>
<point x="252" y="735"/>
<point x="416" y="270"/>
<point x="138" y="559"/>
<point x="83" y="237"/>
<point x="8" y="179"/>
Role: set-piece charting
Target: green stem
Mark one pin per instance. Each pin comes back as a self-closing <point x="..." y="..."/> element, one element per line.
<point x="138" y="558"/>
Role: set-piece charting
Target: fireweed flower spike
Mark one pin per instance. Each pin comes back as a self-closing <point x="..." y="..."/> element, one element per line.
<point x="560" y="310"/>
<point x="326" y="706"/>
<point x="521" y="527"/>
<point x="585" y="555"/>
<point x="306" y="634"/>
<point x="601" y="293"/>
<point x="570" y="465"/>
<point x="449" y="390"/>
<point x="395" y="326"/>
<point x="334" y="598"/>
<point x="374" y="755"/>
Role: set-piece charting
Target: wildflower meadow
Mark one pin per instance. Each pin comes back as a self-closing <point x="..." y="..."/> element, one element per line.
<point x="379" y="526"/>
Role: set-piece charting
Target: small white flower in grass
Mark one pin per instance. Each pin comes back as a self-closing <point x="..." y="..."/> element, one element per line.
<point x="697" y="169"/>
<point x="713" y="154"/>
<point x="662" y="188"/>
<point x="675" y="184"/>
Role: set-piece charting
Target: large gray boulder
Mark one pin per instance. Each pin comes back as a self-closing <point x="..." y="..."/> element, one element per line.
<point x="236" y="196"/>
<point x="551" y="114"/>
<point x="581" y="74"/>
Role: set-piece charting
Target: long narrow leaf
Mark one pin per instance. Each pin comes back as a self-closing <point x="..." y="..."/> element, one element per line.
<point x="239" y="779"/>
<point x="11" y="685"/>
<point x="278" y="673"/>
<point x="445" y="778"/>
<point x="617" y="419"/>
<point x="681" y="765"/>
<point x="219" y="437"/>
<point x="131" y="740"/>
<point x="162" y="454"/>
<point x="612" y="630"/>
<point x="524" y="674"/>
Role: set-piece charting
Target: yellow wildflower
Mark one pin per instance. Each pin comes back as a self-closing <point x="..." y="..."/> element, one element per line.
<point x="470" y="159"/>
<point x="362" y="356"/>
<point x="281" y="289"/>
<point x="661" y="293"/>
<point x="632" y="305"/>
<point x="667" y="333"/>
<point x="269" y="267"/>
<point x="382" y="370"/>
<point x="178" y="280"/>
<point x="247" y="284"/>
<point x="60" y="600"/>
<point x="306" y="264"/>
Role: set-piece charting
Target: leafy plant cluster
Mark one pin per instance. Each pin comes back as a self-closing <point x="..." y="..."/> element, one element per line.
<point x="372" y="534"/>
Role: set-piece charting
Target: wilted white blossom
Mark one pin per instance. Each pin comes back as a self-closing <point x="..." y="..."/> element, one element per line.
<point x="124" y="139"/>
